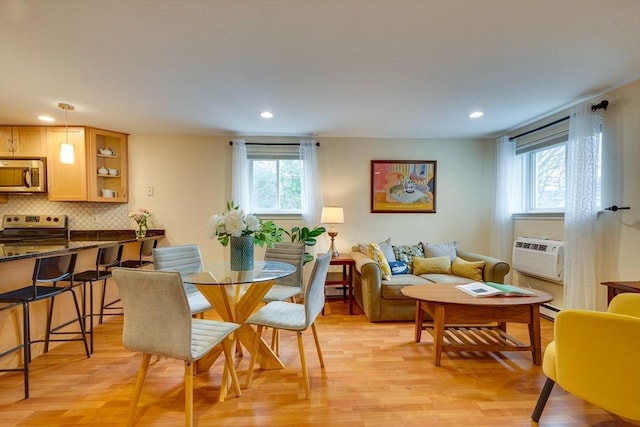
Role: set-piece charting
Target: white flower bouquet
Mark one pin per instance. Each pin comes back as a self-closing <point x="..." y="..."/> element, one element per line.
<point x="234" y="223"/>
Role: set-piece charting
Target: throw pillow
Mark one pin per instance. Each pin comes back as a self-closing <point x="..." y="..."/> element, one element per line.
<point x="398" y="267"/>
<point x="385" y="246"/>
<point x="469" y="269"/>
<point x="440" y="249"/>
<point x="375" y="253"/>
<point x="407" y="252"/>
<point x="439" y="264"/>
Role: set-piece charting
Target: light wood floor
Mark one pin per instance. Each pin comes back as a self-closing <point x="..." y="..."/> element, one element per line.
<point x="375" y="375"/>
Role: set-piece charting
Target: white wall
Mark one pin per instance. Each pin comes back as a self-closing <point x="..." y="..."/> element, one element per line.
<point x="191" y="180"/>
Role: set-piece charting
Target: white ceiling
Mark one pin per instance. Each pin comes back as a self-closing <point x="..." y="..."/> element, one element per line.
<point x="365" y="68"/>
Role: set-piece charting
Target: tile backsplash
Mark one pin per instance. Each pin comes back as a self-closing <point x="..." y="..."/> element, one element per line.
<point x="81" y="215"/>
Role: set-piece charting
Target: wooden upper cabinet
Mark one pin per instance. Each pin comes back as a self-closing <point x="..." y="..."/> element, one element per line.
<point x="107" y="166"/>
<point x="66" y="182"/>
<point x="23" y="141"/>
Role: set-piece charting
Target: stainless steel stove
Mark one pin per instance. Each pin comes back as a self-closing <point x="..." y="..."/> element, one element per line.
<point x="34" y="229"/>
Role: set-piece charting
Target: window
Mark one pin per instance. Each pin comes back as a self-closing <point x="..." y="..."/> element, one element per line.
<point x="275" y="179"/>
<point x="541" y="169"/>
<point x="276" y="185"/>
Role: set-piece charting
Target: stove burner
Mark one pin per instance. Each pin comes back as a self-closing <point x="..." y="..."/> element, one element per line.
<point x="30" y="229"/>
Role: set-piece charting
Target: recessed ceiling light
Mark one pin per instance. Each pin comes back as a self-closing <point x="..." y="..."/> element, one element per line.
<point x="46" y="119"/>
<point x="266" y="114"/>
<point x="476" y="114"/>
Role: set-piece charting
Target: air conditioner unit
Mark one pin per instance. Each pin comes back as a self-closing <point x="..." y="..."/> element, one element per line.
<point x="539" y="257"/>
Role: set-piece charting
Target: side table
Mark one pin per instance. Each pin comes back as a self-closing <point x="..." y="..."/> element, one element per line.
<point x="345" y="277"/>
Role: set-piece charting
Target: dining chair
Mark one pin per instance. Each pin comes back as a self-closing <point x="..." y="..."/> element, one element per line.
<point x="47" y="273"/>
<point x="146" y="250"/>
<point x="294" y="317"/>
<point x="289" y="287"/>
<point x="108" y="256"/>
<point x="596" y="357"/>
<point x="184" y="258"/>
<point x="158" y="321"/>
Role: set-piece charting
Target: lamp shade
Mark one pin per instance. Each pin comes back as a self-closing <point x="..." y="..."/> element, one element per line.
<point x="332" y="215"/>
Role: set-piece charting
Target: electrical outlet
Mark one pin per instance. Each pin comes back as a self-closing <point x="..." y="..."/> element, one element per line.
<point x="150" y="190"/>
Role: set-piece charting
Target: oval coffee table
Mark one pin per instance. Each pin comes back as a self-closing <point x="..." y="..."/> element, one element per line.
<point x="462" y="322"/>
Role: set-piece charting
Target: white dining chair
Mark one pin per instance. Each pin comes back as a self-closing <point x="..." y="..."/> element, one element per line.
<point x="158" y="321"/>
<point x="184" y="258"/>
<point x="294" y="317"/>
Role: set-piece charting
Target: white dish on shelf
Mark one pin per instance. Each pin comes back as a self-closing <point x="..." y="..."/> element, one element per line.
<point x="103" y="171"/>
<point x="114" y="172"/>
<point x="106" y="151"/>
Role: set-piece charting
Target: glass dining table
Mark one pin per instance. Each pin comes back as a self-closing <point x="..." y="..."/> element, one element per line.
<point x="235" y="295"/>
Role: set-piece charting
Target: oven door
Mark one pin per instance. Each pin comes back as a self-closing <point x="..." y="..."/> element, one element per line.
<point x="22" y="175"/>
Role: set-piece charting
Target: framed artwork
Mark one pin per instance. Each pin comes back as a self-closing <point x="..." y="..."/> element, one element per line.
<point x="403" y="186"/>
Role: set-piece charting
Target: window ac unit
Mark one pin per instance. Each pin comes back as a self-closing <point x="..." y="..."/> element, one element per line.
<point x="539" y="257"/>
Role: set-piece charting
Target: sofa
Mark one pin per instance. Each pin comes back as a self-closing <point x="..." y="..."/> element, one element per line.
<point x="380" y="297"/>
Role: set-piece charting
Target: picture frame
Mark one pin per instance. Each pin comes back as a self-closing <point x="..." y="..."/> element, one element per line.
<point x="403" y="186"/>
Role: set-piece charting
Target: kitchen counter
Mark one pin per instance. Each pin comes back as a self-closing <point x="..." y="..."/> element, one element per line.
<point x="79" y="240"/>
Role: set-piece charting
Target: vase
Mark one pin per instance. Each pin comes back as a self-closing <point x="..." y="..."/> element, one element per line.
<point x="140" y="233"/>
<point x="241" y="253"/>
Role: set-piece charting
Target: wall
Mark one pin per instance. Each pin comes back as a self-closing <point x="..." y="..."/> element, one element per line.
<point x="191" y="180"/>
<point x="618" y="239"/>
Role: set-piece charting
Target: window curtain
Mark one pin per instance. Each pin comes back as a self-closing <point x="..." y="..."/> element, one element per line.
<point x="581" y="208"/>
<point x="240" y="193"/>
<point x="311" y="189"/>
<point x="502" y="233"/>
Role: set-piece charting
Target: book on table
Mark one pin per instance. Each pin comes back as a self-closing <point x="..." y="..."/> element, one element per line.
<point x="491" y="289"/>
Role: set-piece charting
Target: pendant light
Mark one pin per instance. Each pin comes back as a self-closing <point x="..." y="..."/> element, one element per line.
<point x="67" y="150"/>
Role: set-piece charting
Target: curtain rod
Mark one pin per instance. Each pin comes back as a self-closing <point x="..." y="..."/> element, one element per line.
<point x="282" y="143"/>
<point x="602" y="105"/>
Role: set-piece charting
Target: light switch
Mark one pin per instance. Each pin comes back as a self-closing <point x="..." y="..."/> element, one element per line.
<point x="150" y="190"/>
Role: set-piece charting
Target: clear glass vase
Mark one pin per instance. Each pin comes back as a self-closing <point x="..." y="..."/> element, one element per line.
<point x="141" y="233"/>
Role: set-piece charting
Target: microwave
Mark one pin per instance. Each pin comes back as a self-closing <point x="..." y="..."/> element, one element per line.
<point x="23" y="175"/>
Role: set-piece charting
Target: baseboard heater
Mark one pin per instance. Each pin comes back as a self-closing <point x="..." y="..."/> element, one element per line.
<point x="549" y="311"/>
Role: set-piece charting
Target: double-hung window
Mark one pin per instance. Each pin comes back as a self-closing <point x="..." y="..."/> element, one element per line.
<point x="275" y="179"/>
<point x="540" y="171"/>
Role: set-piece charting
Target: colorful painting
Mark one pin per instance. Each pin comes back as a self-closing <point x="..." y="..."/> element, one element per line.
<point x="403" y="186"/>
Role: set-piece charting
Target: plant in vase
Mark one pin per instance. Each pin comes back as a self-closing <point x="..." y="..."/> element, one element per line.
<point x="242" y="231"/>
<point x="141" y="217"/>
<point x="306" y="235"/>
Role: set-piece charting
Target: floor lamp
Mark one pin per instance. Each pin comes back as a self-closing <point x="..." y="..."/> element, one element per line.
<point x="332" y="215"/>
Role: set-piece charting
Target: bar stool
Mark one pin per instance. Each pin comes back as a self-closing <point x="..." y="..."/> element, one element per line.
<point x="146" y="250"/>
<point x="51" y="270"/>
<point x="108" y="257"/>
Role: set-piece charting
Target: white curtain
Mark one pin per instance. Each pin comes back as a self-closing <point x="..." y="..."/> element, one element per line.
<point x="581" y="208"/>
<point x="311" y="190"/>
<point x="502" y="233"/>
<point x="240" y="193"/>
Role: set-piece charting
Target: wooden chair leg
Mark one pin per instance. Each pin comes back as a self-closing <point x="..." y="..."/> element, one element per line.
<point x="303" y="363"/>
<point x="188" y="393"/>
<point x="542" y="399"/>
<point x="139" y="382"/>
<point x="318" y="349"/>
<point x="254" y="355"/>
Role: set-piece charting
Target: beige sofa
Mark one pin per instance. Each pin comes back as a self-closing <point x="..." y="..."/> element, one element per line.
<point x="381" y="300"/>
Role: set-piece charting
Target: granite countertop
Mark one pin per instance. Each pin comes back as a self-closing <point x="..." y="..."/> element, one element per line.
<point x="79" y="240"/>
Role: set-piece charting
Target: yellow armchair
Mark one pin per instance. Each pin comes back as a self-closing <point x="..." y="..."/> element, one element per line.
<point x="596" y="356"/>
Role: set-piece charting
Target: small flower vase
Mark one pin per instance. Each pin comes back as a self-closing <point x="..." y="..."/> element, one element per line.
<point x="241" y="253"/>
<point x="140" y="233"/>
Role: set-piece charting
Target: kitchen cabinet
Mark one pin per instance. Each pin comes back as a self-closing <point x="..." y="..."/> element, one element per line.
<point x="66" y="182"/>
<point x="107" y="170"/>
<point x="23" y="141"/>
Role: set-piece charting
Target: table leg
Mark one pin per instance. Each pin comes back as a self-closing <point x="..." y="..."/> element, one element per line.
<point x="235" y="306"/>
<point x="438" y="332"/>
<point x="350" y="280"/>
<point x="419" y="321"/>
<point x="534" y="334"/>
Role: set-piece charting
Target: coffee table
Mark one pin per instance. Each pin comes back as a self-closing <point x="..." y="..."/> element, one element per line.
<point x="462" y="322"/>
